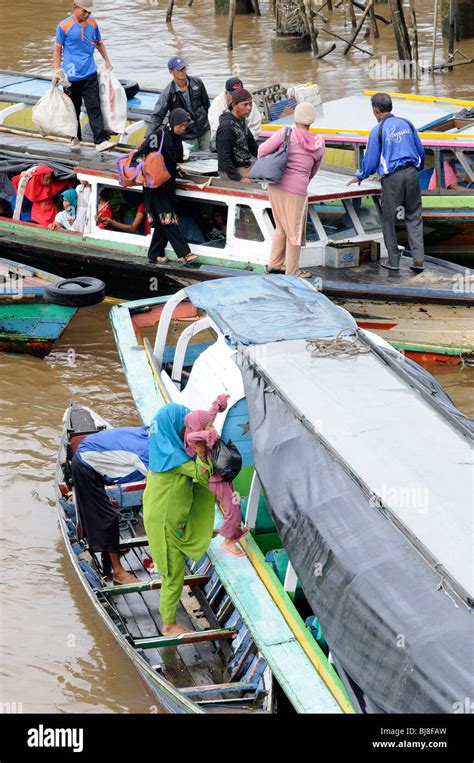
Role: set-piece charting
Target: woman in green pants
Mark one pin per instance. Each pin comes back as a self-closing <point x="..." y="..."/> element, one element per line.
<point x="178" y="508"/>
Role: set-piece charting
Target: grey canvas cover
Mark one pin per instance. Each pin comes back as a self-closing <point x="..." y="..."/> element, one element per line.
<point x="402" y="640"/>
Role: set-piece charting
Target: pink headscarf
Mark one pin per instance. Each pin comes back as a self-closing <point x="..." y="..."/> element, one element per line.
<point x="196" y="423"/>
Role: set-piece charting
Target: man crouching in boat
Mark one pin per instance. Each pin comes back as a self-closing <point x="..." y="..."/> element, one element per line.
<point x="109" y="457"/>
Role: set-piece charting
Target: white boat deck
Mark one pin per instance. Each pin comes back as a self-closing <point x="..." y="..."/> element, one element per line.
<point x="355" y="113"/>
<point x="403" y="449"/>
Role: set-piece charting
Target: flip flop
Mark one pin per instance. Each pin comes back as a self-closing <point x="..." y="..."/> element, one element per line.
<point x="304" y="274"/>
<point x="190" y="258"/>
<point x="230" y="552"/>
<point x="160" y="260"/>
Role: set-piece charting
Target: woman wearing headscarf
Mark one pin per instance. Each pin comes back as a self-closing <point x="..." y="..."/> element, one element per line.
<point x="289" y="197"/>
<point x="178" y="508"/>
<point x="159" y="202"/>
<point x="67" y="217"/>
<point x="41" y="189"/>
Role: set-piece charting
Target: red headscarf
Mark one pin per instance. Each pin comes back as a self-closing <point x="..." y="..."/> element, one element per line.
<point x="44" y="209"/>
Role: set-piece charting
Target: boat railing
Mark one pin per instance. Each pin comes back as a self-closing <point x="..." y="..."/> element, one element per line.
<point x="182" y="345"/>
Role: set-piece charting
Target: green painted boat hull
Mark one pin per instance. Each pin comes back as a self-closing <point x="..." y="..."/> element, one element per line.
<point x="32" y="329"/>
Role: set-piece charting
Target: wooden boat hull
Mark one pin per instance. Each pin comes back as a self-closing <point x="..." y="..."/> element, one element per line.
<point x="123" y="613"/>
<point x="32" y="329"/>
<point x="28" y="325"/>
<point x="427" y="333"/>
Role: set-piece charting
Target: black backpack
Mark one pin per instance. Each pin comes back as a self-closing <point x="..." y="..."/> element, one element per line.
<point x="226" y="460"/>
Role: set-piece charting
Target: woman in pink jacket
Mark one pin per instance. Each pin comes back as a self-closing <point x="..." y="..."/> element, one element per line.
<point x="289" y="197"/>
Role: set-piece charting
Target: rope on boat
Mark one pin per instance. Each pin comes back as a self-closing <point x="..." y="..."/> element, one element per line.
<point x="345" y="344"/>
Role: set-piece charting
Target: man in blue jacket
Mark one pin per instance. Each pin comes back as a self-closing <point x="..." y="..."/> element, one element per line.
<point x="395" y="152"/>
<point x="108" y="457"/>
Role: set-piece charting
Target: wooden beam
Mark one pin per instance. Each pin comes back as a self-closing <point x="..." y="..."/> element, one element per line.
<point x="138" y="542"/>
<point x="151" y="585"/>
<point x="230" y="24"/>
<point x="194" y="637"/>
<point x="356" y="33"/>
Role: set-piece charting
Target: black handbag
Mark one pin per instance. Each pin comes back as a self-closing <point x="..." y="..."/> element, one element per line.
<point x="226" y="460"/>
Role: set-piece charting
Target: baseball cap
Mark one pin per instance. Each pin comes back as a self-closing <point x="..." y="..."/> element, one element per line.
<point x="234" y="83"/>
<point x="86" y="5"/>
<point x="176" y="63"/>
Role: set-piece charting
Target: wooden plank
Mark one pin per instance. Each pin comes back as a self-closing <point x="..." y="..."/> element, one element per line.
<point x="230" y="688"/>
<point x="138" y="542"/>
<point x="152" y="585"/>
<point x="184" y="638"/>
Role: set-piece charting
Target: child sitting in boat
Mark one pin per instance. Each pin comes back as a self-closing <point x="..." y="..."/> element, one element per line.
<point x="199" y="428"/>
<point x="66" y="218"/>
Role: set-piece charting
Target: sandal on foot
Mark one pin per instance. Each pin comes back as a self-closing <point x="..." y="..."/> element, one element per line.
<point x="232" y="553"/>
<point x="304" y="274"/>
<point x="190" y="258"/>
<point x="274" y="271"/>
<point x="160" y="260"/>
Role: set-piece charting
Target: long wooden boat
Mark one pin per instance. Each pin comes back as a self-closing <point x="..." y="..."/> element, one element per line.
<point x="29" y="325"/>
<point x="337" y="215"/>
<point x="444" y="126"/>
<point x="20" y="91"/>
<point x="240" y="654"/>
<point x="334" y="439"/>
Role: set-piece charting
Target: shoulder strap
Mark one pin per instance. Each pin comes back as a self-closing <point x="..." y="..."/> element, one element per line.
<point x="162" y="140"/>
<point x="380" y="133"/>
<point x="287" y="137"/>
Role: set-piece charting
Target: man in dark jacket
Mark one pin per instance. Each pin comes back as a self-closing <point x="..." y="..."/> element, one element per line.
<point x="188" y="93"/>
<point x="236" y="146"/>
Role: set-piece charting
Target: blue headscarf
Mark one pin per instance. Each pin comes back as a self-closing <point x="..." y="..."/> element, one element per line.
<point x="71" y="196"/>
<point x="166" y="446"/>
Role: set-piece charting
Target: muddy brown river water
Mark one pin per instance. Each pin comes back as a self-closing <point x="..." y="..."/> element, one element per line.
<point x="55" y="654"/>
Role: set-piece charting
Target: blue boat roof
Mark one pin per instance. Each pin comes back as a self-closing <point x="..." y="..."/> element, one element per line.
<point x="265" y="309"/>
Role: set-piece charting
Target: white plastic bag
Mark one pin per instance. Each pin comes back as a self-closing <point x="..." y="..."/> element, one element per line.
<point x="113" y="102"/>
<point x="54" y="114"/>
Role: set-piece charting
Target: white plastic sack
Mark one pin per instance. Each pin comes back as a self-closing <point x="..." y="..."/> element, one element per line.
<point x="305" y="93"/>
<point x="54" y="114"/>
<point x="113" y="102"/>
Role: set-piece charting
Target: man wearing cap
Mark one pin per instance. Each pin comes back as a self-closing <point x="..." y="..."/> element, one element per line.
<point x="220" y="104"/>
<point x="77" y="38"/>
<point x="188" y="93"/>
<point x="236" y="146"/>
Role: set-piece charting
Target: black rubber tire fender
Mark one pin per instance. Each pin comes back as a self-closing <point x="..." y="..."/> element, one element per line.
<point x="131" y="88"/>
<point x="75" y="292"/>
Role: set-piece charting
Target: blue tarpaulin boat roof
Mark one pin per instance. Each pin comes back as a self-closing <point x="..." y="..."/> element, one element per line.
<point x="266" y="309"/>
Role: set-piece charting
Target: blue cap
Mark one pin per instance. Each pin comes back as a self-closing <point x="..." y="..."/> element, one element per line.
<point x="176" y="63"/>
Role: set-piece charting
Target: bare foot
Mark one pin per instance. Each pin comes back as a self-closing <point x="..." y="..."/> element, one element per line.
<point x="173" y="630"/>
<point x="123" y="578"/>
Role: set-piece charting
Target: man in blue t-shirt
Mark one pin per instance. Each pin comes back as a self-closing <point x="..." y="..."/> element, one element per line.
<point x="77" y="39"/>
<point x="395" y="152"/>
<point x="108" y="457"/>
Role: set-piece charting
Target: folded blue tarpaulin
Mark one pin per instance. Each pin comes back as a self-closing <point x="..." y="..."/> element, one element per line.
<point x="265" y="309"/>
